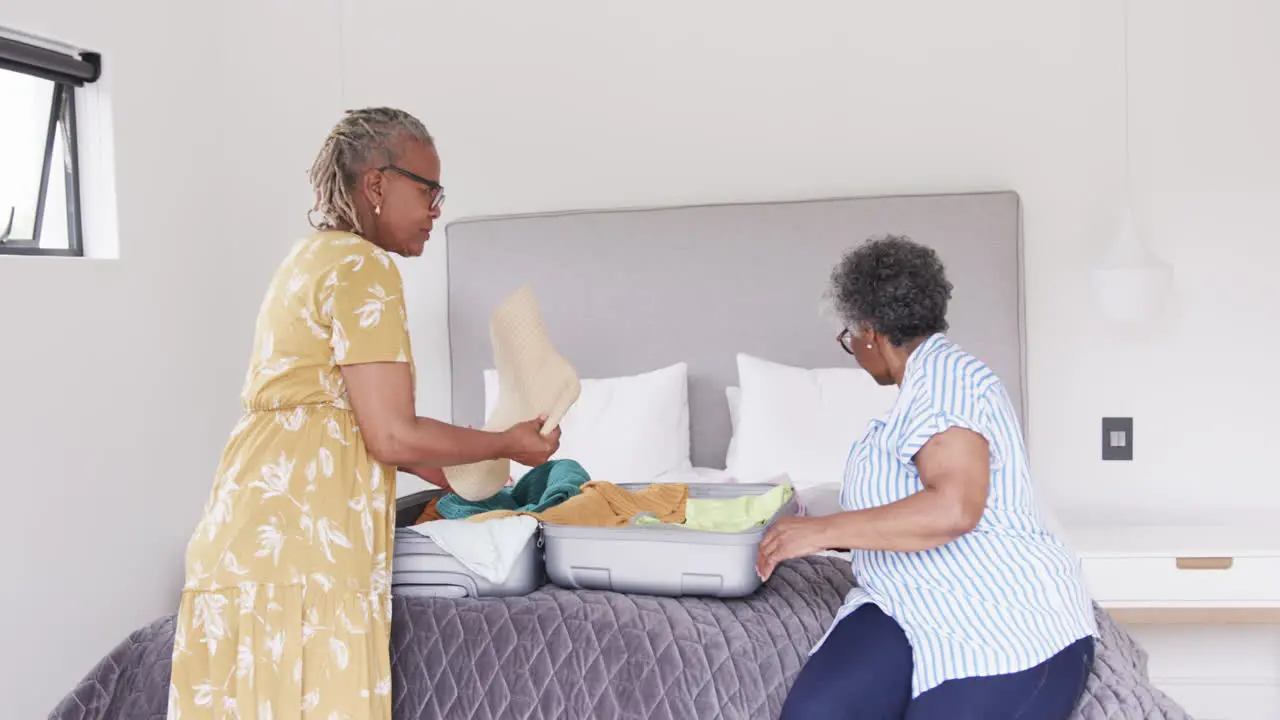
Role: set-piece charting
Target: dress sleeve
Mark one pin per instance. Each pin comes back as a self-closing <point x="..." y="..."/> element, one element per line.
<point x="362" y="303"/>
<point x="946" y="405"/>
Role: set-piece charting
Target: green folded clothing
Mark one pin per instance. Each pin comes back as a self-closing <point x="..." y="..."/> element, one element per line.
<point x="543" y="487"/>
<point x="732" y="515"/>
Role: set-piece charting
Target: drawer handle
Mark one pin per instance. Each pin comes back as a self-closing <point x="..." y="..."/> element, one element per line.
<point x="1205" y="563"/>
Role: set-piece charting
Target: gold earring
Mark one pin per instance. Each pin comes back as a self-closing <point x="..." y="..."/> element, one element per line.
<point x="377" y="209"/>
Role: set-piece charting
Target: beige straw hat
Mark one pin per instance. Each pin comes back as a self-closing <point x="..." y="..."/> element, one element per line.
<point x="533" y="380"/>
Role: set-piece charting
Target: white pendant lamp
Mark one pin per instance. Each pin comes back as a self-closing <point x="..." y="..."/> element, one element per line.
<point x="1131" y="283"/>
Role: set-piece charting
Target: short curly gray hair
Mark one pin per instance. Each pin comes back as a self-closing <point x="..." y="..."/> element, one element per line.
<point x="894" y="286"/>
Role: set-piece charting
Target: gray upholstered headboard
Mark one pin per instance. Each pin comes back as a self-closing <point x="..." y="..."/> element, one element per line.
<point x="628" y="291"/>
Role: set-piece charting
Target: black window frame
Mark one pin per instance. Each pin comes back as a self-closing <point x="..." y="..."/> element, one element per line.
<point x="68" y="73"/>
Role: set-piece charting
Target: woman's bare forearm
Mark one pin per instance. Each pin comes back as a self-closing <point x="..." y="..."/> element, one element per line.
<point x="426" y="443"/>
<point x="382" y="399"/>
<point x="923" y="521"/>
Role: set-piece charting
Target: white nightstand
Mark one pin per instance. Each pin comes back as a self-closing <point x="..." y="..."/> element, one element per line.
<point x="1203" y="600"/>
<point x="1160" y="574"/>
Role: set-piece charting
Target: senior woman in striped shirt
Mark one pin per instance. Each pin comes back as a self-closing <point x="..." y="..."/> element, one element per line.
<point x="965" y="605"/>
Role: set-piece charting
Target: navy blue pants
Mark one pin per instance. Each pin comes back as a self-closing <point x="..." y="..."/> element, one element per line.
<point x="863" y="672"/>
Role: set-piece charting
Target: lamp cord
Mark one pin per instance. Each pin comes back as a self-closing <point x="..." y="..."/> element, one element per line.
<point x="1128" y="181"/>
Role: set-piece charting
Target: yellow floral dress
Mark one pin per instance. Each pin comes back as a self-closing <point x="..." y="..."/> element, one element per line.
<point x="286" y="610"/>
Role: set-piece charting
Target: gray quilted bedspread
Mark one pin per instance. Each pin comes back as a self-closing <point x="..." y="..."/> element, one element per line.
<point x="573" y="655"/>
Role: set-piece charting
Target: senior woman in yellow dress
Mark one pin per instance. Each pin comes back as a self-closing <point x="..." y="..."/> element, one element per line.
<point x="287" y="605"/>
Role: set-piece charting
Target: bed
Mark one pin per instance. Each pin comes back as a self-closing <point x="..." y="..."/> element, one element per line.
<point x="624" y="293"/>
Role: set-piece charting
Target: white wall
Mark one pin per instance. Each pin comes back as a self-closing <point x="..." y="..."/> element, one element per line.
<point x="119" y="415"/>
<point x="120" y="377"/>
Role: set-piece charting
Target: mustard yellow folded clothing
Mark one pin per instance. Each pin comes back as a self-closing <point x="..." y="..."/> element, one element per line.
<point x="603" y="504"/>
<point x="429" y="513"/>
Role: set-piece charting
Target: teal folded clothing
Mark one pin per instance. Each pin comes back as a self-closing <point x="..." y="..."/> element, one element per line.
<point x="543" y="487"/>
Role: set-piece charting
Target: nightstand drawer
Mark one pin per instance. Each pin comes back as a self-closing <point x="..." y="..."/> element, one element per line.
<point x="1184" y="579"/>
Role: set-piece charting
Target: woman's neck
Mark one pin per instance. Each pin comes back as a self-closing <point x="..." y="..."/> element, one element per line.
<point x="898" y="358"/>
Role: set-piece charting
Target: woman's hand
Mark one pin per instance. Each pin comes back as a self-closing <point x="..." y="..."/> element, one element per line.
<point x="790" y="537"/>
<point x="525" y="443"/>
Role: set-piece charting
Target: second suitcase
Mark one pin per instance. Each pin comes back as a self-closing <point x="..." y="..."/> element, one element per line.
<point x="420" y="567"/>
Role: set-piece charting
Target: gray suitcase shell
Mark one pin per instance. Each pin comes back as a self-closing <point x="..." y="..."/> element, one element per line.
<point x="661" y="560"/>
<point x="420" y="567"/>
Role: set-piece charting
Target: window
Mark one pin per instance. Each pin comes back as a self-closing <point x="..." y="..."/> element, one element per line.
<point x="39" y="152"/>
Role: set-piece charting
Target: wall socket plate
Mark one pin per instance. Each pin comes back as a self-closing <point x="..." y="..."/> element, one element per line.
<point x="1117" y="438"/>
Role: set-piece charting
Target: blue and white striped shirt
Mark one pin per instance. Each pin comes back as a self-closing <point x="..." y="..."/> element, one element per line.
<point x="999" y="599"/>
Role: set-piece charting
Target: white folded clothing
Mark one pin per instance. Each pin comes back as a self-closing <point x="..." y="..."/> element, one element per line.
<point x="489" y="548"/>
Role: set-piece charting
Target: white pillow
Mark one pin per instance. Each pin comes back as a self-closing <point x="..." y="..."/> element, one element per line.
<point x="623" y="429"/>
<point x="733" y="395"/>
<point x="801" y="422"/>
<point x="814" y="501"/>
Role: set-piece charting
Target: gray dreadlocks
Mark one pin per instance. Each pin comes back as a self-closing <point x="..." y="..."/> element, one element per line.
<point x="360" y="138"/>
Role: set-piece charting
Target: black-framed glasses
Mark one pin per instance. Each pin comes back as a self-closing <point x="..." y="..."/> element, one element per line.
<point x="845" y="338"/>
<point x="437" y="190"/>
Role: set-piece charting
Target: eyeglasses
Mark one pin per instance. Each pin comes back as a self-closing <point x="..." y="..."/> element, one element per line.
<point x="845" y="338"/>
<point x="437" y="190"/>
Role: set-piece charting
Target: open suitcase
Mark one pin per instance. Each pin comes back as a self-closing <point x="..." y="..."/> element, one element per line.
<point x="420" y="567"/>
<point x="661" y="560"/>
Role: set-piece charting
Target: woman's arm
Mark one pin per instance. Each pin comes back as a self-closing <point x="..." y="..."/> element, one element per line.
<point x="382" y="398"/>
<point x="955" y="468"/>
